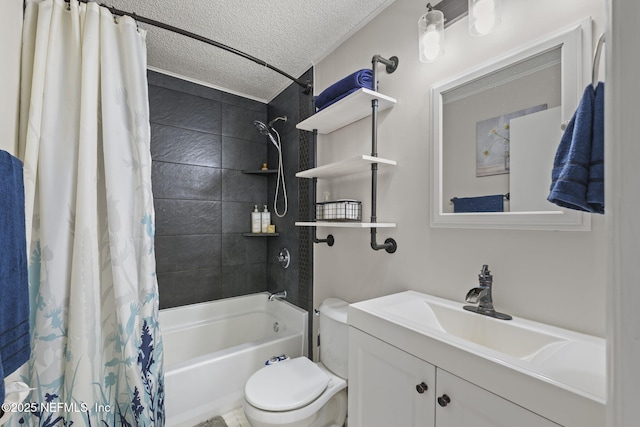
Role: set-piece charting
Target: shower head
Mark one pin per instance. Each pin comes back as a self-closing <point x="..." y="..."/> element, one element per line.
<point x="262" y="128"/>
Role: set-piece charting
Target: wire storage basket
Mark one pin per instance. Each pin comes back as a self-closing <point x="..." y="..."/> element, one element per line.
<point x="339" y="210"/>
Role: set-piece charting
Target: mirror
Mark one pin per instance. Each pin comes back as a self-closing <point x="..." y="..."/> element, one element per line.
<point x="495" y="131"/>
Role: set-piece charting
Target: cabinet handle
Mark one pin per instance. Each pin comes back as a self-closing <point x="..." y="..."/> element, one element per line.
<point x="422" y="387"/>
<point x="444" y="400"/>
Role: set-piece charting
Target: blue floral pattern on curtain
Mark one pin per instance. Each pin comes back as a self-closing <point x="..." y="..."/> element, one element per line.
<point x="97" y="356"/>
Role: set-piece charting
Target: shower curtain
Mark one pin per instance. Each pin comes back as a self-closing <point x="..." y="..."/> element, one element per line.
<point x="84" y="139"/>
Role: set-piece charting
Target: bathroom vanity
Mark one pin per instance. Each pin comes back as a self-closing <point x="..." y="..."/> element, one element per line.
<point x="419" y="360"/>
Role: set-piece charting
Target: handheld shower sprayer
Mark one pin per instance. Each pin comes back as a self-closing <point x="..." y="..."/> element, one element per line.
<point x="266" y="130"/>
<point x="262" y="128"/>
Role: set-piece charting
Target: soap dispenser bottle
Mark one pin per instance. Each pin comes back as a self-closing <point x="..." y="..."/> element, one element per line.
<point x="266" y="219"/>
<point x="255" y="220"/>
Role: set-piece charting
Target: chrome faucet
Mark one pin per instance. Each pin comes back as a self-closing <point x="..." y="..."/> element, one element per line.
<point x="481" y="295"/>
<point x="280" y="294"/>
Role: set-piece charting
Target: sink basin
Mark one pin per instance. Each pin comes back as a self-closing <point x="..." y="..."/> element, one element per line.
<point x="568" y="359"/>
<point x="505" y="336"/>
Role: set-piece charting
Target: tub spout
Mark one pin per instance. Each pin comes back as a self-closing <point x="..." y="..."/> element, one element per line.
<point x="280" y="294"/>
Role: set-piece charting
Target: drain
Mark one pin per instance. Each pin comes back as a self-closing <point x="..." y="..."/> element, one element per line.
<point x="276" y="327"/>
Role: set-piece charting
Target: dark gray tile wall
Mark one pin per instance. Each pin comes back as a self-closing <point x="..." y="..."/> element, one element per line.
<point x="201" y="140"/>
<point x="297" y="281"/>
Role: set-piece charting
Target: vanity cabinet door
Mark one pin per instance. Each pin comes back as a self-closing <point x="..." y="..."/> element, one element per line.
<point x="462" y="404"/>
<point x="387" y="386"/>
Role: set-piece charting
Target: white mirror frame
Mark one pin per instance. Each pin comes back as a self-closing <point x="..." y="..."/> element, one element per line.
<point x="576" y="44"/>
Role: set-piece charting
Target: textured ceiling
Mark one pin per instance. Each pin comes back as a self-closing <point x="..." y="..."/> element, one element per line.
<point x="289" y="34"/>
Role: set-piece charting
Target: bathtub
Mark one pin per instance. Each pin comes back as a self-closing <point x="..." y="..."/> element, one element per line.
<point x="212" y="348"/>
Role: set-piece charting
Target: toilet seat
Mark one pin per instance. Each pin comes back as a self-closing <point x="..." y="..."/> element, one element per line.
<point x="320" y="408"/>
<point x="287" y="385"/>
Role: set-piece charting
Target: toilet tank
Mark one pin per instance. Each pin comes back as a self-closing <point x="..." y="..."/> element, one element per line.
<point x="334" y="336"/>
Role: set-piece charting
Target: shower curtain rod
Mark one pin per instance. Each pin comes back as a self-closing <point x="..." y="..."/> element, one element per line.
<point x="306" y="85"/>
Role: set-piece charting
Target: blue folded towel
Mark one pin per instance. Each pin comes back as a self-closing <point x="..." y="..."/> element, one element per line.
<point x="577" y="179"/>
<point x="360" y="79"/>
<point x="478" y="204"/>
<point x="14" y="288"/>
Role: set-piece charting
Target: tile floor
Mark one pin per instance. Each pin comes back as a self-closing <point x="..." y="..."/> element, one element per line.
<point x="236" y="418"/>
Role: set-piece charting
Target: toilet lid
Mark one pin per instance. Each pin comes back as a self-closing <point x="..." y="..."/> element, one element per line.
<point x="286" y="385"/>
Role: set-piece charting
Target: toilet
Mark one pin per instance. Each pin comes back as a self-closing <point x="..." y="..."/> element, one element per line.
<point x="299" y="392"/>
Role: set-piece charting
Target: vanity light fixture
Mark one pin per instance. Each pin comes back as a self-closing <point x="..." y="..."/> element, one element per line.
<point x="484" y="16"/>
<point x="431" y="35"/>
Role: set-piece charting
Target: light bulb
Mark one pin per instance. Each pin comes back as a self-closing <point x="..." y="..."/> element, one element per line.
<point x="484" y="24"/>
<point x="431" y="35"/>
<point x="431" y="43"/>
<point x="484" y="16"/>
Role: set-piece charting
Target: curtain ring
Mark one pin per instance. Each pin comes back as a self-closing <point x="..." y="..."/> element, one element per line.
<point x="135" y="19"/>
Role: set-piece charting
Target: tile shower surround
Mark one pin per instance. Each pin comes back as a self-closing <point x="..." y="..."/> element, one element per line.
<point x="201" y="140"/>
<point x="297" y="279"/>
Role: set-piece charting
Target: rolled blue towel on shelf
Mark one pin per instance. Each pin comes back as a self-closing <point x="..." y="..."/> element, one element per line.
<point x="577" y="178"/>
<point x="14" y="288"/>
<point x="478" y="204"/>
<point x="360" y="79"/>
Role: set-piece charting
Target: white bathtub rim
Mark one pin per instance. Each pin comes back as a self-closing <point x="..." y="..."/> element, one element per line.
<point x="169" y="324"/>
<point x="204" y="359"/>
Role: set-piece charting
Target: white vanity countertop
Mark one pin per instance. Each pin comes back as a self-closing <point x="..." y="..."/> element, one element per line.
<point x="557" y="373"/>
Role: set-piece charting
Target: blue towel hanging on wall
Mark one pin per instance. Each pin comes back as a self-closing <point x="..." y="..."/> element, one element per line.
<point x="360" y="79"/>
<point x="577" y="179"/>
<point x="14" y="289"/>
<point x="595" y="187"/>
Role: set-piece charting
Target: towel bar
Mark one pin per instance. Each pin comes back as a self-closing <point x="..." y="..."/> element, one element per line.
<point x="596" y="60"/>
<point x="507" y="196"/>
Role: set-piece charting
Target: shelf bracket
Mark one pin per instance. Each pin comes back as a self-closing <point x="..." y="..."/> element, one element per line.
<point x="329" y="240"/>
<point x="389" y="244"/>
<point x="391" y="65"/>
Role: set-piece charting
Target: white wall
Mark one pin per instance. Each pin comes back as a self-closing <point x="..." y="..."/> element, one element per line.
<point x="11" y="24"/>
<point x="554" y="277"/>
<point x="623" y="202"/>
